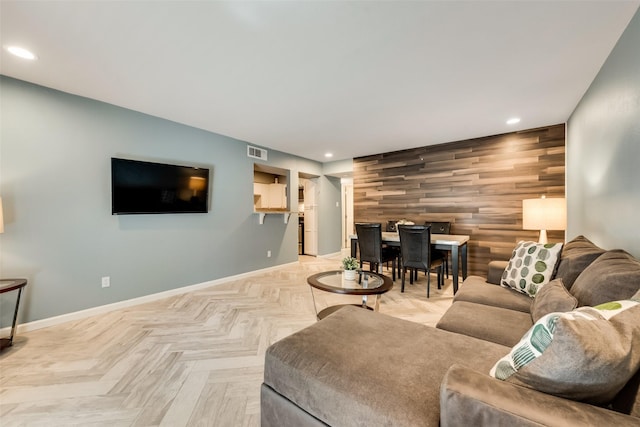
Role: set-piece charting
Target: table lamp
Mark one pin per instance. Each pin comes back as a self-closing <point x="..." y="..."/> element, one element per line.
<point x="544" y="214"/>
<point x="196" y="184"/>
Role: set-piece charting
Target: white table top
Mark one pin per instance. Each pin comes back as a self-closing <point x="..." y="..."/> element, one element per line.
<point x="436" y="239"/>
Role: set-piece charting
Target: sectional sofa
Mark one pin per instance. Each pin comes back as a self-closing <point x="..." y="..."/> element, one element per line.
<point x="498" y="356"/>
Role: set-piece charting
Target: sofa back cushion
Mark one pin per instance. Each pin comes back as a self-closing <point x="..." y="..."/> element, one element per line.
<point x="576" y="255"/>
<point x="614" y="275"/>
<point x="552" y="298"/>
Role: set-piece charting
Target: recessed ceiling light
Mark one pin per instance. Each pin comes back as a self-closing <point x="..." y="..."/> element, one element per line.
<point x="327" y="155"/>
<point x="513" y="121"/>
<point x="21" y="52"/>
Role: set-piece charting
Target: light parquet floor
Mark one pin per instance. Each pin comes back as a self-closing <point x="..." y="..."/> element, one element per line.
<point x="195" y="359"/>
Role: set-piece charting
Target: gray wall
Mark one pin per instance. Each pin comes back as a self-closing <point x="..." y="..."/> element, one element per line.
<point x="603" y="151"/>
<point x="338" y="168"/>
<point x="56" y="189"/>
<point x="330" y="207"/>
<point x="331" y="203"/>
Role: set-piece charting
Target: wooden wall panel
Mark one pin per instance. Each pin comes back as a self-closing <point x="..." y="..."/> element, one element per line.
<point x="477" y="184"/>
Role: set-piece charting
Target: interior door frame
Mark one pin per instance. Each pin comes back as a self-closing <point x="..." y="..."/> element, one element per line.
<point x="347" y="211"/>
<point x="311" y="200"/>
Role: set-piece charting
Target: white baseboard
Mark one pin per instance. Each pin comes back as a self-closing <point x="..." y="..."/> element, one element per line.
<point x="82" y="314"/>
<point x="335" y="254"/>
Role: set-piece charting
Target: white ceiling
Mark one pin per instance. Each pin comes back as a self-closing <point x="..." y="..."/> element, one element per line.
<point x="349" y="77"/>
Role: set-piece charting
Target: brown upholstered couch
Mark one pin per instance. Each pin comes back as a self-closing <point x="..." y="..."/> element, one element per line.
<point x="359" y="368"/>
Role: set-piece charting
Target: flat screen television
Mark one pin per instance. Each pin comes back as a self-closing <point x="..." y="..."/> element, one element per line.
<point x="139" y="187"/>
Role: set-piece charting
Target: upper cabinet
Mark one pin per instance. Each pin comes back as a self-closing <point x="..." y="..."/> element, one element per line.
<point x="277" y="196"/>
<point x="269" y="196"/>
<point x="270" y="188"/>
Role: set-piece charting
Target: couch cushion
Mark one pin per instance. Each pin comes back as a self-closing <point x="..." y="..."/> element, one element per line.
<point x="576" y="255"/>
<point x="470" y="398"/>
<point x="553" y="297"/>
<point x="495" y="324"/>
<point x="532" y="265"/>
<point x="475" y="289"/>
<point x="614" y="275"/>
<point x="628" y="400"/>
<point x="369" y="367"/>
<point x="495" y="270"/>
<point x="588" y="354"/>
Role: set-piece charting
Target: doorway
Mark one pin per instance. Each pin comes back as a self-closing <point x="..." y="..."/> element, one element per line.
<point x="308" y="214"/>
<point x="347" y="211"/>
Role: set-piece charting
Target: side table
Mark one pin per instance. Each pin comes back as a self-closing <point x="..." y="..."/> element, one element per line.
<point x="368" y="283"/>
<point x="8" y="285"/>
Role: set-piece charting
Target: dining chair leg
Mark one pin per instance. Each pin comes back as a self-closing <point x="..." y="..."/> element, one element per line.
<point x="428" y="282"/>
<point x="374" y="267"/>
<point x="404" y="270"/>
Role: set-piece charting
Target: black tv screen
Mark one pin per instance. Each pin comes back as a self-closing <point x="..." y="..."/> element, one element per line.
<point x="139" y="187"/>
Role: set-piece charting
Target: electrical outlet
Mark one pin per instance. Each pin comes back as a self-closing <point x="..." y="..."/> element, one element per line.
<point x="268" y="254"/>
<point x="106" y="282"/>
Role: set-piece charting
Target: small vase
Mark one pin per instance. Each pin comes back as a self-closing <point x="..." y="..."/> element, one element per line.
<point x="349" y="274"/>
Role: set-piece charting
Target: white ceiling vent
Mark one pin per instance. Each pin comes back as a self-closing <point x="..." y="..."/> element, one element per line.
<point x="256" y="153"/>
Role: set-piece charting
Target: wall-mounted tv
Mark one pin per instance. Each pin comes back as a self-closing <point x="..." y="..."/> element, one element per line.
<point x="139" y="187"/>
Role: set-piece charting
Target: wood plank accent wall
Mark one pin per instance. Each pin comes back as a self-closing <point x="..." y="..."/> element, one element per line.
<point x="477" y="184"/>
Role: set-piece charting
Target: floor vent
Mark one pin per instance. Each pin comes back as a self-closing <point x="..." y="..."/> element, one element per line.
<point x="256" y="153"/>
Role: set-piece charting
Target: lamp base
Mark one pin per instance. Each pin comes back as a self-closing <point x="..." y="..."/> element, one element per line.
<point x="543" y="237"/>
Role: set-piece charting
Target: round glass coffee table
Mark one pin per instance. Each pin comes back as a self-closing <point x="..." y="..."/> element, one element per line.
<point x="365" y="284"/>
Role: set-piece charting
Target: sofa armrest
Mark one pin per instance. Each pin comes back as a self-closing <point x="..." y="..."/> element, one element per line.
<point x="470" y="398"/>
<point x="495" y="271"/>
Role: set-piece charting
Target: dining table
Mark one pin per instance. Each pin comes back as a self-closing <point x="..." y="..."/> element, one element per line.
<point x="454" y="243"/>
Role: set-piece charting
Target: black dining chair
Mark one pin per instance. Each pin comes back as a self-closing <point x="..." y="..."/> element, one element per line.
<point x="392" y="227"/>
<point x="416" y="254"/>
<point x="371" y="250"/>
<point x="441" y="228"/>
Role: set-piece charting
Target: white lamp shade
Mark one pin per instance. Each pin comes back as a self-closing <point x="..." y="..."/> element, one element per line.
<point x="544" y="214"/>
<point x="196" y="183"/>
<point x="1" y="218"/>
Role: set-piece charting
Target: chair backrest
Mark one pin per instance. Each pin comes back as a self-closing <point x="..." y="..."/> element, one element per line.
<point x="439" y="227"/>
<point x="415" y="246"/>
<point x="370" y="242"/>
